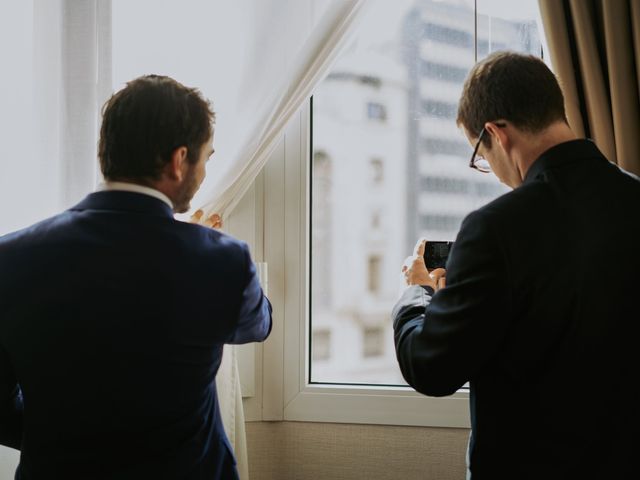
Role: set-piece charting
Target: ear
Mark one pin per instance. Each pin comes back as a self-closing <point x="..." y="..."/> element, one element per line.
<point x="176" y="167"/>
<point x="499" y="135"/>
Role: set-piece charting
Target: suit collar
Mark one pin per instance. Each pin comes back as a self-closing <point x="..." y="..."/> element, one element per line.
<point x="134" y="187"/>
<point x="124" y="201"/>
<point x="563" y="154"/>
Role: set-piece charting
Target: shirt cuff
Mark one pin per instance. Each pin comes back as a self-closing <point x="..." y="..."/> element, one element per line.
<point x="429" y="289"/>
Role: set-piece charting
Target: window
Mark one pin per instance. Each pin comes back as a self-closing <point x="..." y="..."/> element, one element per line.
<point x="424" y="184"/>
<point x="321" y="344"/>
<point x="434" y="184"/>
<point x="322" y="235"/>
<point x="375" y="220"/>
<point x="377" y="170"/>
<point x="440" y="223"/>
<point x="373" y="273"/>
<point x="329" y="258"/>
<point x="439" y="109"/>
<point x="373" y="343"/>
<point x="376" y="111"/>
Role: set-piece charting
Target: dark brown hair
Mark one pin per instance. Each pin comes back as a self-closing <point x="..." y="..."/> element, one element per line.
<point x="146" y="121"/>
<point x="511" y="86"/>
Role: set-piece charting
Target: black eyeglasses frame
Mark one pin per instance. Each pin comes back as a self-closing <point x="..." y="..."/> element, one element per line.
<point x="472" y="162"/>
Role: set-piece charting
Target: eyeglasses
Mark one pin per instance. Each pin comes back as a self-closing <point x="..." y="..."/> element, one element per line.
<point x="478" y="162"/>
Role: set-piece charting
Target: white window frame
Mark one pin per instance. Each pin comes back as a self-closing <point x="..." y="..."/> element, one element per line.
<point x="273" y="218"/>
<point x="245" y="223"/>
<point x="285" y="390"/>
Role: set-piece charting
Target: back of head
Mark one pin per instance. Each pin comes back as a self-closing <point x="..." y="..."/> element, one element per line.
<point x="514" y="87"/>
<point x="145" y="122"/>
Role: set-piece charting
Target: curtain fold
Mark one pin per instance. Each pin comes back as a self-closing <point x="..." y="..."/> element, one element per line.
<point x="555" y="21"/>
<point x="57" y="55"/>
<point x="85" y="84"/>
<point x="622" y="79"/>
<point x="320" y="50"/>
<point x="595" y="51"/>
<point x="230" y="398"/>
<point x="635" y="28"/>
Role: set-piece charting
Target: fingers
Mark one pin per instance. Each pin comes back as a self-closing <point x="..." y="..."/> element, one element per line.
<point x="418" y="251"/>
<point x="438" y="276"/>
<point x="415" y="271"/>
<point x="197" y="215"/>
<point x="437" y="273"/>
<point x="214" y="221"/>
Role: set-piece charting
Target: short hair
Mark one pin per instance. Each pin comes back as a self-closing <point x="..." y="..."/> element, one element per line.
<point x="143" y="123"/>
<point x="511" y="86"/>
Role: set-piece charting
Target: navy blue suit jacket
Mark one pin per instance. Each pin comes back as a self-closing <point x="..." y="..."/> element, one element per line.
<point x="540" y="315"/>
<point x="113" y="316"/>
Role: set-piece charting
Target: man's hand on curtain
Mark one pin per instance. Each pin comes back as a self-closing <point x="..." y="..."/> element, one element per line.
<point x="214" y="220"/>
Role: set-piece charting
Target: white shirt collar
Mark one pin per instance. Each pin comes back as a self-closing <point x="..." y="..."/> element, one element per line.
<point x="134" y="187"/>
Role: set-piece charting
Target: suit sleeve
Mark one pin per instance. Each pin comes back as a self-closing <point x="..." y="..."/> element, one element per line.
<point x="10" y="405"/>
<point x="254" y="318"/>
<point x="442" y="340"/>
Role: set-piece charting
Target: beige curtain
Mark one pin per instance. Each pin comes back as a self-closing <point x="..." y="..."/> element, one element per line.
<point x="595" y="51"/>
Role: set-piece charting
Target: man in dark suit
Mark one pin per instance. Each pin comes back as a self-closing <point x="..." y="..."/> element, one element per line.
<point x="113" y="315"/>
<point x="539" y="312"/>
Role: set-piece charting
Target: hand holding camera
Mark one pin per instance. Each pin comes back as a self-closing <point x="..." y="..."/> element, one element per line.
<point x="425" y="267"/>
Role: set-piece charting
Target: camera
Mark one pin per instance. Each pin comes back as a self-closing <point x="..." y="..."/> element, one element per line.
<point x="436" y="254"/>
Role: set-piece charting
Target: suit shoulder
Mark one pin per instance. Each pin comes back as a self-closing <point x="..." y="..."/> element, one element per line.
<point x="38" y="230"/>
<point x="513" y="204"/>
<point x="212" y="239"/>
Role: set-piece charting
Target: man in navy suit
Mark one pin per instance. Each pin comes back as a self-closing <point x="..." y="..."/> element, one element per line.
<point x="539" y="311"/>
<point x="113" y="315"/>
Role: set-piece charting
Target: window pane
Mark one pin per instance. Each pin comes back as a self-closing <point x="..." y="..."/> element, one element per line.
<point x="389" y="165"/>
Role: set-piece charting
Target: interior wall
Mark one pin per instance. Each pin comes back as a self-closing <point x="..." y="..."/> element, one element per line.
<point x="317" y="451"/>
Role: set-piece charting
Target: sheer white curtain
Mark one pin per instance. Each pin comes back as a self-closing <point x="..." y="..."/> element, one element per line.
<point x="55" y="75"/>
<point x="51" y="89"/>
<point x="274" y="86"/>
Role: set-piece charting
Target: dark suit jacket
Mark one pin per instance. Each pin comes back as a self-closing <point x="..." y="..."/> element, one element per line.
<point x="113" y="316"/>
<point x="540" y="315"/>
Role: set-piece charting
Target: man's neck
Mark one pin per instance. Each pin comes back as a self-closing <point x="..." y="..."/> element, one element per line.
<point x="534" y="145"/>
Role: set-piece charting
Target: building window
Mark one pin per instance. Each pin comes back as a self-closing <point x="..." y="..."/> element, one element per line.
<point x="376" y="111"/>
<point x="322" y="235"/>
<point x="374" y="263"/>
<point x="439" y="109"/>
<point x="444" y="185"/>
<point x="375" y="220"/>
<point x="435" y="222"/>
<point x="321" y="344"/>
<point x="373" y="341"/>
<point x="376" y="167"/>
<point x="415" y="168"/>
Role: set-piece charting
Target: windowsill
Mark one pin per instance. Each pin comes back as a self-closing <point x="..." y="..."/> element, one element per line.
<point x="368" y="404"/>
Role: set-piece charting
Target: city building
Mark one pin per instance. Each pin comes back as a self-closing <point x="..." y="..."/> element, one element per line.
<point x="390" y="166"/>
